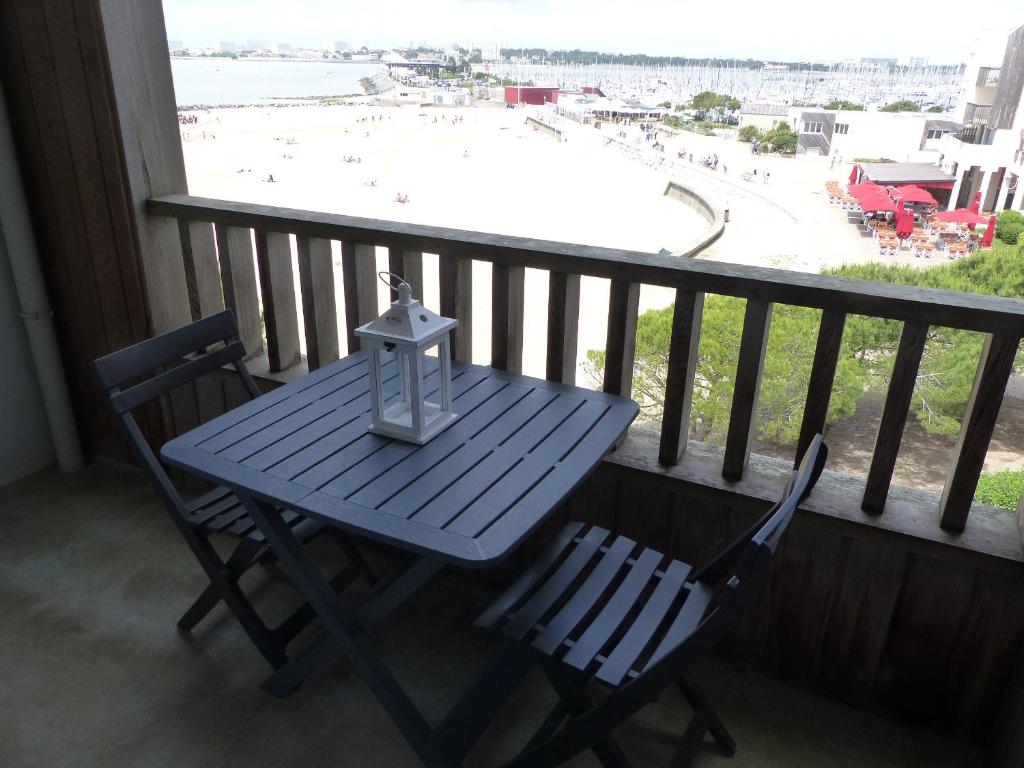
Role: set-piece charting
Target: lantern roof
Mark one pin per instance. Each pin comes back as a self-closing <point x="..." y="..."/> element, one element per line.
<point x="407" y="322"/>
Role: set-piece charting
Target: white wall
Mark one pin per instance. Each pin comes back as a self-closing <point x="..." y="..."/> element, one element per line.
<point x="896" y="136"/>
<point x="24" y="434"/>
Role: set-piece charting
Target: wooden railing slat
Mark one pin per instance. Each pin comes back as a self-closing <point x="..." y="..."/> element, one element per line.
<point x="823" y="374"/>
<point x="753" y="342"/>
<point x="894" y="416"/>
<point x="367" y="282"/>
<point x="951" y="309"/>
<point x="682" y="367"/>
<point x="455" y="276"/>
<point x="202" y="275"/>
<point x="238" y="277"/>
<point x="319" y="306"/>
<point x="620" y="344"/>
<point x="563" y="327"/>
<point x="277" y="286"/>
<point x="507" y="297"/>
<point x="994" y="371"/>
<point x="408" y="264"/>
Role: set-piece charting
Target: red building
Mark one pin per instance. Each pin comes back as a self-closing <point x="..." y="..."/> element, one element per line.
<point x="530" y="94"/>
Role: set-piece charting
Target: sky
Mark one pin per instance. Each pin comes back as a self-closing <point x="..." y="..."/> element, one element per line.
<point x="941" y="30"/>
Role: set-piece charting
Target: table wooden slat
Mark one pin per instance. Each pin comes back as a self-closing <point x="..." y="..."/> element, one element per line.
<point x="470" y="495"/>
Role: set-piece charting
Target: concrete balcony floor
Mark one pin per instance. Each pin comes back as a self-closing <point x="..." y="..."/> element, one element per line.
<point x="93" y="672"/>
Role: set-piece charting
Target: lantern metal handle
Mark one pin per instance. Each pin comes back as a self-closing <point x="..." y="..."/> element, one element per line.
<point x="404" y="296"/>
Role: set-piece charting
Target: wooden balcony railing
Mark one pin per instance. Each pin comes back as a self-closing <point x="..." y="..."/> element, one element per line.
<point x="267" y="281"/>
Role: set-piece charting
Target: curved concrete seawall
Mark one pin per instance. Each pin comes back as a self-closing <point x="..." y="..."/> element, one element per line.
<point x="548" y="130"/>
<point x="710" y="211"/>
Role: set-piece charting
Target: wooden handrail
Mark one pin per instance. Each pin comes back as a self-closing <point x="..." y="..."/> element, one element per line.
<point x="1002" y="319"/>
<point x="973" y="312"/>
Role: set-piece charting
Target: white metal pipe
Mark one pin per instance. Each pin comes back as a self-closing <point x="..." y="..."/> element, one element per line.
<point x="33" y="303"/>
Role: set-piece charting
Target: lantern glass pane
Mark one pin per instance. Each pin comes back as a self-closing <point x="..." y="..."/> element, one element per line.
<point x="433" y="391"/>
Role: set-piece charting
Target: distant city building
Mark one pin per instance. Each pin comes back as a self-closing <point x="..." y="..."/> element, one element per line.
<point x="878" y="62"/>
<point x="491" y="52"/>
<point x="764" y="117"/>
<point x="257" y="45"/>
<point x="227" y="47"/>
<point x="340" y="46"/>
<point x="987" y="156"/>
<point x="175" y="45"/>
<point x="280" y="48"/>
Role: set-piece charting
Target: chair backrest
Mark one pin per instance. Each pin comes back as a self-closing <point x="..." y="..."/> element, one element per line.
<point x="737" y="577"/>
<point x="168" y="361"/>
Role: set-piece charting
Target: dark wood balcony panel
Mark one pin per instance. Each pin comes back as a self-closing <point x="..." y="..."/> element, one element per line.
<point x="456" y="288"/>
<point x="408" y="265"/>
<point x="319" y="305"/>
<point x="238" y="276"/>
<point x="894" y="416"/>
<point x="507" y="308"/>
<point x="563" y="327"/>
<point x="620" y="345"/>
<point x="682" y="366"/>
<point x="823" y="374"/>
<point x="753" y="343"/>
<point x="277" y="289"/>
<point x="202" y="274"/>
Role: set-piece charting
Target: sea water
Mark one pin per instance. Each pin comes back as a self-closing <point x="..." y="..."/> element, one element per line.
<point x="222" y="81"/>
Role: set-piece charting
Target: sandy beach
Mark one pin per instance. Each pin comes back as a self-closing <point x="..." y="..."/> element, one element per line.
<point x="483" y="169"/>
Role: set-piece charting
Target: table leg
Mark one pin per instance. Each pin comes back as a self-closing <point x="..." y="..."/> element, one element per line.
<point x="343" y="628"/>
<point x="324" y="652"/>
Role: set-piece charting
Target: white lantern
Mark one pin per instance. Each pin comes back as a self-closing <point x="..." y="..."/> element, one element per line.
<point x="405" y="345"/>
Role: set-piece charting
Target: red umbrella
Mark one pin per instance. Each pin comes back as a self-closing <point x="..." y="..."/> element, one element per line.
<point x="961" y="216"/>
<point x="904" y="223"/>
<point x="976" y="205"/>
<point x="913" y="194"/>
<point x="990" y="232"/>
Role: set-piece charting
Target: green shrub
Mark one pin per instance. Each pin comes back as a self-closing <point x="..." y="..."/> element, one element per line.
<point x="1009" y="227"/>
<point x="750" y="133"/>
<point x="1000" y="489"/>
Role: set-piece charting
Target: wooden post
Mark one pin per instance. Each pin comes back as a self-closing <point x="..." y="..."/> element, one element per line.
<point x="563" y="327"/>
<point x="823" y="374"/>
<point x="277" y="287"/>
<point x="140" y="73"/>
<point x="894" y="416"/>
<point x="359" y="276"/>
<point x="682" y="366"/>
<point x="319" y="307"/>
<point x="408" y="264"/>
<point x="994" y="371"/>
<point x="507" y="298"/>
<point x="238" y="276"/>
<point x="620" y="345"/>
<point x="456" y="287"/>
<point x="754" y="341"/>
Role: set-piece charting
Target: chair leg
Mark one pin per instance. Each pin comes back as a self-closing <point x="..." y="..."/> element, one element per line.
<point x="692" y="739"/>
<point x="577" y="701"/>
<point x="699" y="702"/>
<point x="237" y="564"/>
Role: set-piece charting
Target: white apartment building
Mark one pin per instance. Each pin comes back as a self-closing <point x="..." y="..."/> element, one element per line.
<point x="987" y="156"/>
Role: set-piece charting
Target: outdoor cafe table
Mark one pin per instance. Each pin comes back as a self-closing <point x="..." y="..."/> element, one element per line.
<point x="469" y="498"/>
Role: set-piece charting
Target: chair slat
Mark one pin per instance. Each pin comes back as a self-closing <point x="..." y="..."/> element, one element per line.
<point x="586" y="597"/>
<point x="686" y="621"/>
<point x="552" y="589"/>
<point x="605" y="624"/>
<point x="142" y="358"/>
<point x="615" y="668"/>
<point x="133" y="397"/>
<point x="526" y="581"/>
